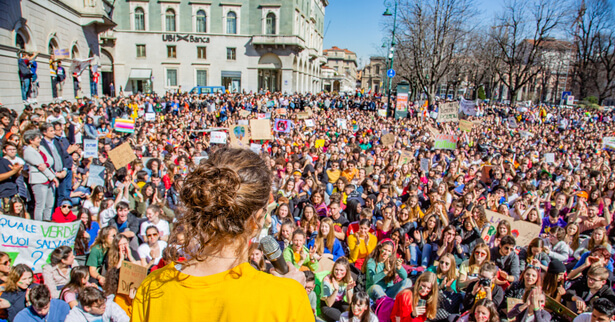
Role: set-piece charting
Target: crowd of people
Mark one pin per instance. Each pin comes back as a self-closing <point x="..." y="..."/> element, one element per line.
<point x="376" y="233"/>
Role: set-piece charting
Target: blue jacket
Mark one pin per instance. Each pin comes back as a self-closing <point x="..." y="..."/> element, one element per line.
<point x="337" y="251"/>
<point x="58" y="311"/>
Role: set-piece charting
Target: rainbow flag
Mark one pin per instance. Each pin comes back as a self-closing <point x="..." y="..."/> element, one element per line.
<point x="125" y="125"/>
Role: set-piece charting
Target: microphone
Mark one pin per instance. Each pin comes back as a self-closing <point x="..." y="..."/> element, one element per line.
<point x="272" y="251"/>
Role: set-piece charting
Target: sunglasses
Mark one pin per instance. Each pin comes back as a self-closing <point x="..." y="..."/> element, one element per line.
<point x="152" y="235"/>
<point x="478" y="253"/>
<point x="65" y="206"/>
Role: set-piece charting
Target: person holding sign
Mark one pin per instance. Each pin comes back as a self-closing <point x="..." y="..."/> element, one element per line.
<point x="225" y="200"/>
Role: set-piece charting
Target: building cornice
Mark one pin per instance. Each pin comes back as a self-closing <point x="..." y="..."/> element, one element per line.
<point x="230" y="4"/>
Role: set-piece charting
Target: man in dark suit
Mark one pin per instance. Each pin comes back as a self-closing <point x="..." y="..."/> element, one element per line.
<point x="67" y="151"/>
<point x="55" y="149"/>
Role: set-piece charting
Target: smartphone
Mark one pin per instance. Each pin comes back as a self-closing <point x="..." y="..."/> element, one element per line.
<point x="422" y="302"/>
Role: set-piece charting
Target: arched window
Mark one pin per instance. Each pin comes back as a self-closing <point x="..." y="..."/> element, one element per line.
<point x="20" y="42"/>
<point x="170" y="19"/>
<point x="139" y="19"/>
<point x="201" y="22"/>
<point x="53" y="45"/>
<point x="231" y="23"/>
<point x="270" y="24"/>
<point x="74" y="53"/>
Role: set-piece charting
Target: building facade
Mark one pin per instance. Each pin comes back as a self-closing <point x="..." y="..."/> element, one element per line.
<point x="43" y="26"/>
<point x="243" y="45"/>
<point x="344" y="64"/>
<point x="373" y="74"/>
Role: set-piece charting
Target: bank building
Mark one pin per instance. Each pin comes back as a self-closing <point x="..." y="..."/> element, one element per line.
<point x="243" y="45"/>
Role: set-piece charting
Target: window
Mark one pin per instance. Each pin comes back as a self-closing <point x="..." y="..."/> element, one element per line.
<point x="139" y="19"/>
<point x="201" y="78"/>
<point x="231" y="23"/>
<point x="170" y="20"/>
<point x="377" y="69"/>
<point x="171" y="51"/>
<point x="171" y="77"/>
<point x="231" y="54"/>
<point x="201" y="22"/>
<point x="270" y="23"/>
<point x="20" y="42"/>
<point x="347" y="70"/>
<point x="201" y="52"/>
<point x="140" y="50"/>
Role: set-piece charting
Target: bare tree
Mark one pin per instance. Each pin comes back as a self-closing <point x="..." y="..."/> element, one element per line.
<point x="592" y="33"/>
<point x="430" y="36"/>
<point x="521" y="29"/>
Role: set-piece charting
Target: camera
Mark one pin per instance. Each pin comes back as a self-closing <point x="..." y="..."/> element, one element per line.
<point x="484" y="282"/>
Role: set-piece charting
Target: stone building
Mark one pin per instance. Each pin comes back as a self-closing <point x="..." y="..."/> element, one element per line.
<point x="344" y="63"/>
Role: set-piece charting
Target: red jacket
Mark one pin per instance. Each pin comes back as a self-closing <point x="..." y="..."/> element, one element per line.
<point x="59" y="217"/>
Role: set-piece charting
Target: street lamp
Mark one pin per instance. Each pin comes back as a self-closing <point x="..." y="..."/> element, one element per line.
<point x="387" y="13"/>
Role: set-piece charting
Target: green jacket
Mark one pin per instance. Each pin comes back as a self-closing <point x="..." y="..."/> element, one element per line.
<point x="289" y="256"/>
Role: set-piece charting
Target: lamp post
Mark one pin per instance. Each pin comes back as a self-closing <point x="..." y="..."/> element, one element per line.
<point x="387" y="13"/>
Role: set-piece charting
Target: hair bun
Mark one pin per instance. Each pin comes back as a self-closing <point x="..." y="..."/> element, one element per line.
<point x="212" y="187"/>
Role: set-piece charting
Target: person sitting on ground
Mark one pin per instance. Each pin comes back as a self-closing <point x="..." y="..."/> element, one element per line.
<point x="603" y="311"/>
<point x="95" y="307"/>
<point x="588" y="288"/>
<point x="43" y="308"/>
<point x="359" y="310"/>
<point x="532" y="309"/>
<point x="484" y="287"/>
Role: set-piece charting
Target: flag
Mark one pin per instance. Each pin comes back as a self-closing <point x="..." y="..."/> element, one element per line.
<point x="125" y="125"/>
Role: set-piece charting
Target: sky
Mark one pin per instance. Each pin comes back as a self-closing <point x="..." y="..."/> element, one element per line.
<point x="358" y="25"/>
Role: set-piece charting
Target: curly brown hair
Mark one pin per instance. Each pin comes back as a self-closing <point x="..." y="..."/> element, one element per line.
<point x="221" y="197"/>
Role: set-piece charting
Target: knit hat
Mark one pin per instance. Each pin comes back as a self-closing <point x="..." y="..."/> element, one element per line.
<point x="556" y="267"/>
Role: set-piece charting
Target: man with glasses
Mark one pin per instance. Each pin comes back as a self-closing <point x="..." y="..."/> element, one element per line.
<point x="506" y="259"/>
<point x="584" y="291"/>
<point x="95" y="307"/>
<point x="64" y="214"/>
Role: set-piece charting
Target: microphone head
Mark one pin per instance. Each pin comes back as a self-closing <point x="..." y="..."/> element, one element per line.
<point x="270" y="247"/>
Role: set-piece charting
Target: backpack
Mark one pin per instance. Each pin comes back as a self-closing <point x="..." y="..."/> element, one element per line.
<point x="24" y="70"/>
<point x="383" y="308"/>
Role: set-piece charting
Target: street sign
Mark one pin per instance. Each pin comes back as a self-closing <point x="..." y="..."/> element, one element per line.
<point x="570" y="100"/>
<point x="391" y="73"/>
<point x="565" y="95"/>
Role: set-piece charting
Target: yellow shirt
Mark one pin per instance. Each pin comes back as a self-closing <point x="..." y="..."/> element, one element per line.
<point x="239" y="294"/>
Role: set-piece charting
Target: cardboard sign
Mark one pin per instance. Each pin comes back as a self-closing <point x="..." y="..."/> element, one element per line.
<point x="261" y="116"/>
<point x="445" y="142"/>
<point x="256" y="148"/>
<point x="465" y="125"/>
<point x="61" y="53"/>
<point x="243" y="122"/>
<point x="150" y="116"/>
<point x="122" y="155"/>
<point x="405" y="157"/>
<point x="281" y="111"/>
<point x="217" y="137"/>
<point x="382" y="113"/>
<point x="303" y="115"/>
<point x="240" y="136"/>
<point x="309" y="123"/>
<point x="244" y="113"/>
<point x="260" y="129"/>
<point x="131" y="276"/>
<point x="432" y="130"/>
<point x="90" y="148"/>
<point x="512" y="123"/>
<point x="550" y="158"/>
<point x="526" y="134"/>
<point x="512" y="302"/>
<point x="425" y="165"/>
<point x="96" y="177"/>
<point x="282" y="125"/>
<point x="388" y="139"/>
<point x="608" y="143"/>
<point x="319" y="143"/>
<point x="448" y="112"/>
<point x="31" y="242"/>
<point x="341" y="123"/>
<point x="523" y="231"/>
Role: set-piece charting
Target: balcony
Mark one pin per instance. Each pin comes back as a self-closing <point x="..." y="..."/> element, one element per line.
<point x="278" y="41"/>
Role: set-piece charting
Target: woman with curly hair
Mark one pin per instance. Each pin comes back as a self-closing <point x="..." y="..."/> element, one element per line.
<point x="225" y="200"/>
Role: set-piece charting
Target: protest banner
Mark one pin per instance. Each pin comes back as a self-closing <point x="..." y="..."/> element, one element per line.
<point x="243" y="122"/>
<point x="31" y="242"/>
<point x="217" y="137"/>
<point x="150" y="116"/>
<point x="124" y="125"/>
<point x="281" y="111"/>
<point x="309" y="123"/>
<point x="526" y="134"/>
<point x="240" y="137"/>
<point x="341" y="123"/>
<point x="122" y="155"/>
<point x="244" y="113"/>
<point x="388" y="139"/>
<point x="303" y="115"/>
<point x="512" y="123"/>
<point x="401" y="102"/>
<point x="282" y="125"/>
<point x="61" y="53"/>
<point x="550" y="158"/>
<point x="90" y="148"/>
<point x="319" y="143"/>
<point x="465" y="125"/>
<point x="448" y="112"/>
<point x="309" y="111"/>
<point x="197" y="160"/>
<point x="264" y="115"/>
<point x="445" y="142"/>
<point x="425" y="165"/>
<point x="406" y="157"/>
<point x="468" y="107"/>
<point x="523" y="231"/>
<point x="608" y="143"/>
<point x="382" y="113"/>
<point x="256" y="148"/>
<point x="432" y="130"/>
<point x="260" y="129"/>
<point x="131" y="276"/>
<point x="96" y="176"/>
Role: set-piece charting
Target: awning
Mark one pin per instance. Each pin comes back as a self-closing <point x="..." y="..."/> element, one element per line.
<point x="231" y="74"/>
<point x="140" y="74"/>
